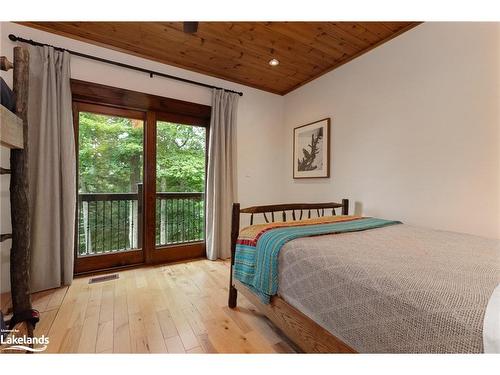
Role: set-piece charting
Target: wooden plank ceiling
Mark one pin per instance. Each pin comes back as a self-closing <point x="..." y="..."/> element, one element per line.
<point x="240" y="51"/>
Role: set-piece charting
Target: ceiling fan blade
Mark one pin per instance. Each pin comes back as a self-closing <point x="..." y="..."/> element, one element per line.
<point x="190" y="27"/>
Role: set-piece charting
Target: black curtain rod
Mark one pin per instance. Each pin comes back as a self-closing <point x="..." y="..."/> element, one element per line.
<point x="151" y="73"/>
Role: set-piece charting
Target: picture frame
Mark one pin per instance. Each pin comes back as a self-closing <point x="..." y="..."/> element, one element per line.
<point x="311" y="150"/>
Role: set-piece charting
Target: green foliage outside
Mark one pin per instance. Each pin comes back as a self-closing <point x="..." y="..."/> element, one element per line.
<point x="180" y="158"/>
<point x="111" y="161"/>
<point x="111" y="155"/>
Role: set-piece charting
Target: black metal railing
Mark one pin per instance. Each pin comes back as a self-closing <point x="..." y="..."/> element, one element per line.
<point x="180" y="218"/>
<point x="112" y="222"/>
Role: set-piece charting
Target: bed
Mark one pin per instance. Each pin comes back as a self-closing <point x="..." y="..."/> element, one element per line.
<point x="346" y="284"/>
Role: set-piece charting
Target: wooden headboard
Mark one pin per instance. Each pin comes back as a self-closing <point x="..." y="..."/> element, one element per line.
<point x="292" y="207"/>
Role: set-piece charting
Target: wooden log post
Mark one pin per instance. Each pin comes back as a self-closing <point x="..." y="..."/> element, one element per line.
<point x="345" y="206"/>
<point x="235" y="230"/>
<point x="19" y="190"/>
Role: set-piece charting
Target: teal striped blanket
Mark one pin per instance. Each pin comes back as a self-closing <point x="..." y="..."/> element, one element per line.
<point x="256" y="261"/>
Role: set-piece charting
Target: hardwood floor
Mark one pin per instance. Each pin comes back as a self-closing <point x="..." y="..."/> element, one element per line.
<point x="175" y="308"/>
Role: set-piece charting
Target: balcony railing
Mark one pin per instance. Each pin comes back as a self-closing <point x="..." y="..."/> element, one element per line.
<point x="112" y="222"/>
<point x="180" y="218"/>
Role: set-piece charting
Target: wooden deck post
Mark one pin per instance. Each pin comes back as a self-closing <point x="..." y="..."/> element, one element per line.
<point x="140" y="223"/>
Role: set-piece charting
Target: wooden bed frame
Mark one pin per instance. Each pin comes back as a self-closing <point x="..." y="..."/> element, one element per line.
<point x="306" y="334"/>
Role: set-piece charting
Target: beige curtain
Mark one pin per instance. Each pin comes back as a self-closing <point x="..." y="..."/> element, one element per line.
<point x="52" y="169"/>
<point x="221" y="174"/>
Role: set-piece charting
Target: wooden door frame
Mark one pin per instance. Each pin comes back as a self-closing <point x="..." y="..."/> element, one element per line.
<point x="150" y="108"/>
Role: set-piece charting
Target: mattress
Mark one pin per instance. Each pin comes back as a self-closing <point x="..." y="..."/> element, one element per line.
<point x="398" y="289"/>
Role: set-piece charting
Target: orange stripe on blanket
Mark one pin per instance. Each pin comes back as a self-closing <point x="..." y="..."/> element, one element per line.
<point x="250" y="235"/>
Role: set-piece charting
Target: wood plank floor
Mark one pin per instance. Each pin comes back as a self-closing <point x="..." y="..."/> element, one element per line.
<point x="176" y="308"/>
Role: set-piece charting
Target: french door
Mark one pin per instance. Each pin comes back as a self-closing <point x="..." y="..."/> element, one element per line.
<point x="180" y="175"/>
<point x="141" y="187"/>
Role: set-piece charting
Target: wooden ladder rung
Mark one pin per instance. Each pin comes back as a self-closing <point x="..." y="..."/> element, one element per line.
<point x="11" y="131"/>
<point x="4" y="171"/>
<point x="5" y="236"/>
<point x="5" y="64"/>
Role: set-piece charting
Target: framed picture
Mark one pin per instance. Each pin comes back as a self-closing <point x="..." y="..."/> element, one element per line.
<point x="311" y="150"/>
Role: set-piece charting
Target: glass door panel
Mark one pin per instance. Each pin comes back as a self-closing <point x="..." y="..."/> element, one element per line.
<point x="180" y="184"/>
<point x="110" y="176"/>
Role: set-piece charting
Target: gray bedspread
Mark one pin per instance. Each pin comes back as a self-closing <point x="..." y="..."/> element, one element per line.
<point x="396" y="289"/>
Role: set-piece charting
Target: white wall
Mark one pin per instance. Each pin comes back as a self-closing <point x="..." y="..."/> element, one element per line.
<point x="415" y="125"/>
<point x="260" y="116"/>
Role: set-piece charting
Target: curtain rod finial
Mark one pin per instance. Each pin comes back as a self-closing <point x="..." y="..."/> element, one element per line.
<point x="13" y="37"/>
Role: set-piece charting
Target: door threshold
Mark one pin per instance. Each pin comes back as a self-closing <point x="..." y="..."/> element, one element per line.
<point x="133" y="266"/>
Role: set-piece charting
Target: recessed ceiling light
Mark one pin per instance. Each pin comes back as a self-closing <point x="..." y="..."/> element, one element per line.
<point x="273" y="62"/>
